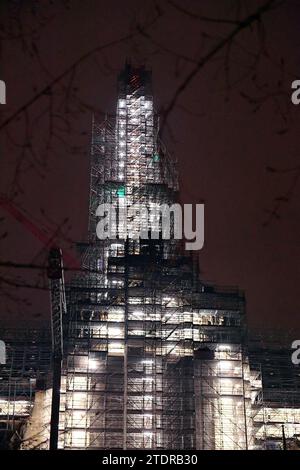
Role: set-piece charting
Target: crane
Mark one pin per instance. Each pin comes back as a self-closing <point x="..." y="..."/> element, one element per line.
<point x="13" y="210"/>
<point x="58" y="311"/>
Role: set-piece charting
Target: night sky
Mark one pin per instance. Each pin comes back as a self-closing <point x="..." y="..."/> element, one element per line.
<point x="233" y="130"/>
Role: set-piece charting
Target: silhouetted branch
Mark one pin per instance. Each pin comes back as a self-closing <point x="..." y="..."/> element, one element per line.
<point x="242" y="25"/>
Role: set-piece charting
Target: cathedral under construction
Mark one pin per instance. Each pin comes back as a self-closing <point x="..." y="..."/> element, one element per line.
<point x="151" y="356"/>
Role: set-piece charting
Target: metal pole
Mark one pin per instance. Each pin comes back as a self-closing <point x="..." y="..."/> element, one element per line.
<point x="56" y="383"/>
<point x="283" y="438"/>
<point x="58" y="308"/>
<point x="125" y="365"/>
<point x="244" y="400"/>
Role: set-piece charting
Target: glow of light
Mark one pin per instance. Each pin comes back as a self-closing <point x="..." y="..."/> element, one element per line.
<point x="114" y="246"/>
<point x="137" y="312"/>
<point x="224" y="347"/>
<point x="226" y="400"/>
<point x="115" y="331"/>
<point x="78" y="438"/>
<point x="93" y="364"/>
<point x="225" y="365"/>
<point x="115" y="347"/>
<point x="122" y="103"/>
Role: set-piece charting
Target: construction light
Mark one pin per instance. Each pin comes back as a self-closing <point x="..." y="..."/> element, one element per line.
<point x="121" y="191"/>
<point x="225" y="365"/>
<point x="93" y="364"/>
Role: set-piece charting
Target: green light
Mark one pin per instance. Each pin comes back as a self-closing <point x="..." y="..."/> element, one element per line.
<point x="121" y="191"/>
<point x="156" y="157"/>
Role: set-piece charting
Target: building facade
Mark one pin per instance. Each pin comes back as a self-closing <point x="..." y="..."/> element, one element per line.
<point x="154" y="358"/>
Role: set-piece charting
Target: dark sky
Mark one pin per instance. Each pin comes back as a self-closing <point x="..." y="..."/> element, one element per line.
<point x="232" y="123"/>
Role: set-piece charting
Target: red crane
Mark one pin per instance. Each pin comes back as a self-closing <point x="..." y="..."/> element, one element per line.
<point x="47" y="241"/>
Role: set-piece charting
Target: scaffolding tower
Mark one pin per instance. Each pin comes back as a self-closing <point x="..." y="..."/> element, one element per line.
<point x="26" y="370"/>
<point x="155" y="358"/>
<point x="270" y="352"/>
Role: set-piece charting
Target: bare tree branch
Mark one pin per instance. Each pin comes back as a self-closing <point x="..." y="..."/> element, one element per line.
<point x="242" y="25"/>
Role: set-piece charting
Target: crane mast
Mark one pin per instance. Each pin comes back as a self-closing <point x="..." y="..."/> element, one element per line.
<point x="58" y="310"/>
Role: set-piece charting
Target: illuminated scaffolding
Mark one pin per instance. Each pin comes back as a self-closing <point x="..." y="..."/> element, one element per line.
<point x="141" y="324"/>
<point x="270" y="353"/>
<point x="153" y="357"/>
<point x="26" y="371"/>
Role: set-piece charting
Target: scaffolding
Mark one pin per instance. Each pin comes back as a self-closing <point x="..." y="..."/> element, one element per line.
<point x="28" y="363"/>
<point x="153" y="357"/>
<point x="270" y="354"/>
<point x="139" y="318"/>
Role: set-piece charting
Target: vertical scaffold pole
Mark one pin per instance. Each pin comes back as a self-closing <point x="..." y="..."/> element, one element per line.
<point x="58" y="309"/>
<point x="125" y="365"/>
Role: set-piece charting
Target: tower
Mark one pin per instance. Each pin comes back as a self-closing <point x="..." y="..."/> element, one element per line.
<point x="155" y="358"/>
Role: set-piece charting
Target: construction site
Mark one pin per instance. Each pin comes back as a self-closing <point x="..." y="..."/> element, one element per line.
<point x="144" y="353"/>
